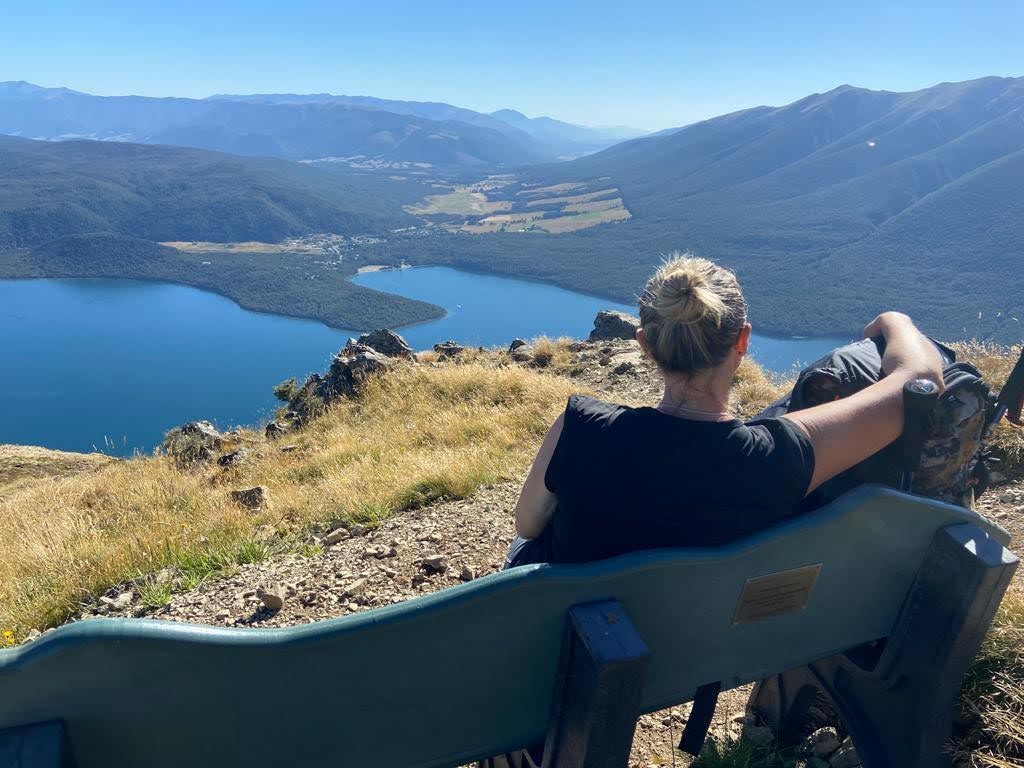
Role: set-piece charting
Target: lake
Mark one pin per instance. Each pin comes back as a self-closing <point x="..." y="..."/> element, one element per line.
<point x="111" y="365"/>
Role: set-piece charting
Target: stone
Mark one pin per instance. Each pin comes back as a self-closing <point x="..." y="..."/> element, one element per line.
<point x="846" y="756"/>
<point x="357" y="587"/>
<point x="119" y="602"/>
<point x="434" y="563"/>
<point x="822" y="743"/>
<point x="272" y="597"/>
<point x="610" y="324"/>
<point x="466" y="574"/>
<point x="1008" y="497"/>
<point x="253" y="499"/>
<point x="289" y="448"/>
<point x="33" y="634"/>
<point x="758" y="736"/>
<point x="235" y="457"/>
<point x="516" y="344"/>
<point x="223" y="614"/>
<point x="193" y="442"/>
<point x="335" y="536"/>
<point x="276" y="429"/>
<point x="522" y="354"/>
<point x="448" y="349"/>
<point x="387" y="343"/>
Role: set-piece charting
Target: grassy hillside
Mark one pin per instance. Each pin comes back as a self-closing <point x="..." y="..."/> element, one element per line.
<point x="54" y="189"/>
<point x="830" y="209"/>
<point x="415" y="436"/>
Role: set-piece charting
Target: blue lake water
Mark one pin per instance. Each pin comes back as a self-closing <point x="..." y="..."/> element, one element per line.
<point x="112" y="365"/>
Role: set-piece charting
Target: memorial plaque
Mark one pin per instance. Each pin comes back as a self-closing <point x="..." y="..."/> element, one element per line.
<point x="776" y="594"/>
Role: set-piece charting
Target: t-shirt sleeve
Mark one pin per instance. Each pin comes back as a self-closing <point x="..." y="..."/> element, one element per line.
<point x="583" y="416"/>
<point x="788" y="459"/>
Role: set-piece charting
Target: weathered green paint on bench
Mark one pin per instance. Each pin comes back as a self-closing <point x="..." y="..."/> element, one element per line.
<point x="468" y="672"/>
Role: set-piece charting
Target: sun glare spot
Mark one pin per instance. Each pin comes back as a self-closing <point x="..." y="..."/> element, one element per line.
<point x="872" y="144"/>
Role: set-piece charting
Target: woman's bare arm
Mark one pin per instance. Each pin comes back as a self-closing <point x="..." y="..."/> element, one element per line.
<point x="846" y="432"/>
<point x="536" y="503"/>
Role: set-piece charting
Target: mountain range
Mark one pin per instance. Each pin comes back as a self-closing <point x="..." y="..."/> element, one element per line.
<point x="830" y="209"/>
<point x="299" y="127"/>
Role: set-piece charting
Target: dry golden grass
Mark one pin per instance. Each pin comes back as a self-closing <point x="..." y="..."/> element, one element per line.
<point x="995" y="363"/>
<point x="576" y="222"/>
<point x="595" y="206"/>
<point x="553" y="354"/>
<point x="417" y="435"/>
<point x="994" y="691"/>
<point x="754" y="389"/>
<point x="22" y="465"/>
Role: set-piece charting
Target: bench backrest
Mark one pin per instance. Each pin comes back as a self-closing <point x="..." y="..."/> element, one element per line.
<point x="467" y="672"/>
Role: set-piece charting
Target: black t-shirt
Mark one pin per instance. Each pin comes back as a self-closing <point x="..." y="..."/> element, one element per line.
<point x="635" y="478"/>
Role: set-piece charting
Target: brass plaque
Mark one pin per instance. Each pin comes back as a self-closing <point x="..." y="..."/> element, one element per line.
<point x="776" y="594"/>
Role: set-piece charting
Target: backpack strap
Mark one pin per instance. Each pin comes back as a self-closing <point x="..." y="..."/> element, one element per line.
<point x="695" y="733"/>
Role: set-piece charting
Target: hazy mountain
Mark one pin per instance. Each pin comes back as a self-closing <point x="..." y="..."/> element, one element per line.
<point x="301" y="129"/>
<point x="831" y="208"/>
<point x="50" y="190"/>
<point x="557" y="138"/>
<point x="570" y="139"/>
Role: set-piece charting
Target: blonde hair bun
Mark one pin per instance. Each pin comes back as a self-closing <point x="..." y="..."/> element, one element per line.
<point x="692" y="312"/>
<point x="685" y="296"/>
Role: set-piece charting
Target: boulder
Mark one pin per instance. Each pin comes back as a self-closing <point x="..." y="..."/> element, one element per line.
<point x="193" y="442"/>
<point x="387" y="343"/>
<point x="516" y="344"/>
<point x="235" y="457"/>
<point x="610" y="324"/>
<point x="448" y="349"/>
<point x="349" y="369"/>
<point x="276" y="429"/>
<point x="253" y="499"/>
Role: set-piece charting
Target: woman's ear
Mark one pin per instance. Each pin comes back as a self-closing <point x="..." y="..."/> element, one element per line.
<point x="743" y="340"/>
<point x="641" y="338"/>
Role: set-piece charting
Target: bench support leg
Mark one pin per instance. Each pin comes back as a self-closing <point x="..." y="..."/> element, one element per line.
<point x="597" y="697"/>
<point x="898" y="705"/>
<point x="42" y="745"/>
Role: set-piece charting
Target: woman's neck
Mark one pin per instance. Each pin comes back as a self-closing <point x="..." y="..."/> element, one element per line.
<point x="701" y="398"/>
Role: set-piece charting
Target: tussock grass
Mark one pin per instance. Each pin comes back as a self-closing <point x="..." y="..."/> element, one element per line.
<point x="993" y="694"/>
<point x="995" y="363"/>
<point x="754" y="389"/>
<point x="554" y="354"/>
<point x="420" y="434"/>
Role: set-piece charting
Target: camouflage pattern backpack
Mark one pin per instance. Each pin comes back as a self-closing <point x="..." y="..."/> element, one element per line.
<point x="952" y="467"/>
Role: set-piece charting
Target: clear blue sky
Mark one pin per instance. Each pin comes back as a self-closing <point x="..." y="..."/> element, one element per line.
<point x="646" y="64"/>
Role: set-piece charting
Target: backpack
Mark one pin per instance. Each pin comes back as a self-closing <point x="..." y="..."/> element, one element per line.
<point x="953" y="464"/>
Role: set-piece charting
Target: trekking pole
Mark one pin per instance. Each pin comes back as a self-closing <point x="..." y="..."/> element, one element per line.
<point x="919" y="399"/>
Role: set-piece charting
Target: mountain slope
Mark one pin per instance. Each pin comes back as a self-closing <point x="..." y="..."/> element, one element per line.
<point x="54" y="189"/>
<point x="292" y="131"/>
<point x="836" y="205"/>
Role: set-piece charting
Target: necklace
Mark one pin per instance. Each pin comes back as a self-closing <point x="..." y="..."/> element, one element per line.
<point x="676" y="409"/>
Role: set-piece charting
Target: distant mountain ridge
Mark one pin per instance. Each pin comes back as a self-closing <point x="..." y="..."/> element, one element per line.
<point x="292" y="131"/>
<point x="300" y="127"/>
<point x="830" y="208"/>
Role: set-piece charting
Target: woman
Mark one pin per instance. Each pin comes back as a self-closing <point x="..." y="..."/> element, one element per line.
<point x="610" y="479"/>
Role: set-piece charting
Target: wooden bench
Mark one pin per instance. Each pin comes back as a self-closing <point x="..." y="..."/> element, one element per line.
<point x="879" y="600"/>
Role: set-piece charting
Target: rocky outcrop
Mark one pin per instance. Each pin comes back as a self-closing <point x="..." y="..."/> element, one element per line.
<point x="448" y="349"/>
<point x="193" y="442"/>
<point x="351" y="367"/>
<point x="610" y="324"/>
<point x="253" y="499"/>
<point x="387" y="343"/>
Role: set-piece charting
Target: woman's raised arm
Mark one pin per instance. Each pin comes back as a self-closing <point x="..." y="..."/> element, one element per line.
<point x="846" y="432"/>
